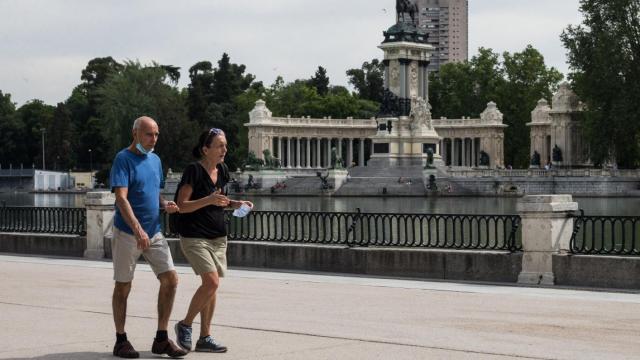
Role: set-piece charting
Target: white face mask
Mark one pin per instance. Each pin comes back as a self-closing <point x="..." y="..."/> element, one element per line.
<point x="142" y="149"/>
<point x="242" y="211"/>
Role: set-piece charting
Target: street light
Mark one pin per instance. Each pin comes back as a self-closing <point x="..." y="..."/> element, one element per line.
<point x="91" y="167"/>
<point x="43" y="162"/>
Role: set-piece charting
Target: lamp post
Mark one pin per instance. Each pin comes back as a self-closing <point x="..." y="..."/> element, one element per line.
<point x="43" y="131"/>
<point x="91" y="167"/>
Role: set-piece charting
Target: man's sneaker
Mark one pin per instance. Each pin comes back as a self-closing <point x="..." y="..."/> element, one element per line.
<point x="125" y="350"/>
<point x="208" y="344"/>
<point x="167" y="347"/>
<point x="183" y="335"/>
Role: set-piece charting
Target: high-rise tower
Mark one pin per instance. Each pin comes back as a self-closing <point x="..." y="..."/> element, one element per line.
<point x="447" y="24"/>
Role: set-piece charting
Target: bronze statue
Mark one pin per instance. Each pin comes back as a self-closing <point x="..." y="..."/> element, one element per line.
<point x="557" y="154"/>
<point x="407" y="7"/>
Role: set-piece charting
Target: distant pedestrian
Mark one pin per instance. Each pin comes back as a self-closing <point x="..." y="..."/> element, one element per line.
<point x="136" y="179"/>
<point x="203" y="235"/>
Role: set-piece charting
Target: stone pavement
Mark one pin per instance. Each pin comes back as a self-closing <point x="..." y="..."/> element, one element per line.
<point x="56" y="308"/>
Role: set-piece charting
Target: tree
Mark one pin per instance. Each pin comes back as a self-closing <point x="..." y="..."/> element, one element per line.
<point x="320" y="81"/>
<point x="33" y="117"/>
<point x="61" y="132"/>
<point x="9" y="130"/>
<point x="527" y="81"/>
<point x="143" y="90"/>
<point x="516" y="84"/>
<point x="604" y="58"/>
<point x="368" y="80"/>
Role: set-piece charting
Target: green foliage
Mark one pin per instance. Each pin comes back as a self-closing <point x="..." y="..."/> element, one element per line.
<point x="33" y="117"/>
<point x="320" y="81"/>
<point x="368" y="80"/>
<point x="515" y="84"/>
<point x="604" y="56"/>
<point x="10" y="130"/>
<point x="143" y="90"/>
<point x="59" y="149"/>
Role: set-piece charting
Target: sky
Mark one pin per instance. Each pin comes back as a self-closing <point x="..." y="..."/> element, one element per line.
<point x="45" y="44"/>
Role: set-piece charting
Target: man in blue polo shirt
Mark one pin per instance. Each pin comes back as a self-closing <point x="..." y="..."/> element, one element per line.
<point x="136" y="179"/>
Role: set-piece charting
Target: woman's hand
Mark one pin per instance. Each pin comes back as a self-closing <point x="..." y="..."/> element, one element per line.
<point x="216" y="198"/>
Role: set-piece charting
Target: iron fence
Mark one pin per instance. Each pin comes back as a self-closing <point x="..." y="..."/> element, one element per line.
<point x="444" y="231"/>
<point x="605" y="235"/>
<point x="50" y="220"/>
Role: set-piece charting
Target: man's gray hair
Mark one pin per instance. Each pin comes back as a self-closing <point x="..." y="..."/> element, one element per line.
<point x="136" y="123"/>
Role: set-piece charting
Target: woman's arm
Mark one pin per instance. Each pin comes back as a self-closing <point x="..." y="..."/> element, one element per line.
<point x="189" y="206"/>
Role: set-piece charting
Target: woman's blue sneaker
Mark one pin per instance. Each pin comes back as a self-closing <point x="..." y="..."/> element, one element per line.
<point x="209" y="344"/>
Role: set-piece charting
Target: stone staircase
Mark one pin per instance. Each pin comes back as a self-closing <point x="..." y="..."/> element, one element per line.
<point x="384" y="181"/>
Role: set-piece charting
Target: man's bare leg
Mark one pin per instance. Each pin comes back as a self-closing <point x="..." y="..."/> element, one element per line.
<point x="166" y="296"/>
<point x="119" y="305"/>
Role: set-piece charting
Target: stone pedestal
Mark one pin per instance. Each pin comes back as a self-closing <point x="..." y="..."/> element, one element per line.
<point x="337" y="177"/>
<point x="546" y="230"/>
<point x="100" y="211"/>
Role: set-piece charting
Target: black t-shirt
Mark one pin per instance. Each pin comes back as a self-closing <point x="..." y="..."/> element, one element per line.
<point x="206" y="222"/>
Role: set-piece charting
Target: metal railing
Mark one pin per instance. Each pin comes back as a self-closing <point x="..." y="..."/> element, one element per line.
<point x="50" y="220"/>
<point x="443" y="231"/>
<point x="605" y="235"/>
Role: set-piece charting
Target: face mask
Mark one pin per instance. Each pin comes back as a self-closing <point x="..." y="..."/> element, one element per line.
<point x="242" y="211"/>
<point x="142" y="149"/>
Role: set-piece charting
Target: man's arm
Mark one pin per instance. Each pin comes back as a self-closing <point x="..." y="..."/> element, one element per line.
<point x="142" y="238"/>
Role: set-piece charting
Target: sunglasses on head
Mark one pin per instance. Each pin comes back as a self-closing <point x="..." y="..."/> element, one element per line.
<point x="215" y="131"/>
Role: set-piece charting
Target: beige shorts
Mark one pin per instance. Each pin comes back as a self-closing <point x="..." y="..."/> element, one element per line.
<point x="125" y="254"/>
<point x="206" y="255"/>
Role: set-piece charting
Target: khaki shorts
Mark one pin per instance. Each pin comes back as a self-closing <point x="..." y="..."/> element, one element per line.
<point x="206" y="255"/>
<point x="125" y="254"/>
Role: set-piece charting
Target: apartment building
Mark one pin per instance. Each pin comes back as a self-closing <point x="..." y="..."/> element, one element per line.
<point x="446" y="22"/>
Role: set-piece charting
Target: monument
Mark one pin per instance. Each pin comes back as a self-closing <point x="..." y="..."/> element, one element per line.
<point x="405" y="133"/>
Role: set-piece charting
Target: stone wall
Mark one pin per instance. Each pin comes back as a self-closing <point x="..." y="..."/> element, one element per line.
<point x="586" y="186"/>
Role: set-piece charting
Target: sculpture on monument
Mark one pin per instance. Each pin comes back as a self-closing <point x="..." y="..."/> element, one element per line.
<point x="429" y="159"/>
<point x="557" y="154"/>
<point x="484" y="158"/>
<point x="404" y="7"/>
<point x="420" y="113"/>
<point x="336" y="162"/>
<point x="535" y="158"/>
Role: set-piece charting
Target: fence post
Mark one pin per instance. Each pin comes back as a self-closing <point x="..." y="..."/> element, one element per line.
<point x="100" y="211"/>
<point x="546" y="230"/>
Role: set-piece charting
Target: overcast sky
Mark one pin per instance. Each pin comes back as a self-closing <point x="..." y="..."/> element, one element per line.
<point x="44" y="44"/>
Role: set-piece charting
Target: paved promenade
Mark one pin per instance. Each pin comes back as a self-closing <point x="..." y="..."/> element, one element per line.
<point x="59" y="309"/>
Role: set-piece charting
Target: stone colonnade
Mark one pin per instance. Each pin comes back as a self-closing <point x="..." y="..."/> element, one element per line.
<point x="316" y="152"/>
<point x="306" y="143"/>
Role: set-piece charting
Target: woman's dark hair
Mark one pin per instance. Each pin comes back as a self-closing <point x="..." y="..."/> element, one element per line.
<point x="205" y="139"/>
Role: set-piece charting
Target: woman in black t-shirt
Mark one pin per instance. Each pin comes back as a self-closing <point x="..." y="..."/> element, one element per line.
<point x="203" y="236"/>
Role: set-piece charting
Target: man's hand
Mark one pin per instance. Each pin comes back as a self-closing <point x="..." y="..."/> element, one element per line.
<point x="170" y="207"/>
<point x="142" y="239"/>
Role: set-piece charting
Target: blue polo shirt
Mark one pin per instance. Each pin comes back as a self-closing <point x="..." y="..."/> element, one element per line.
<point x="142" y="176"/>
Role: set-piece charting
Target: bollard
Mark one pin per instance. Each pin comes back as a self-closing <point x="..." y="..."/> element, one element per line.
<point x="100" y="211"/>
<point x="546" y="230"/>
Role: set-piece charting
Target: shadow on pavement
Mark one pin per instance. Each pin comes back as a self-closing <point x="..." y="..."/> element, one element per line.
<point x="86" y="356"/>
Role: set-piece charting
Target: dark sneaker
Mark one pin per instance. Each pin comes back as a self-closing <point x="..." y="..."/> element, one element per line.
<point x="125" y="350"/>
<point x="209" y="344"/>
<point x="167" y="347"/>
<point x="183" y="335"/>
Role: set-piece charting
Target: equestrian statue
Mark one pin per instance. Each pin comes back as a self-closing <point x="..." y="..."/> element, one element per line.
<point x="404" y="7"/>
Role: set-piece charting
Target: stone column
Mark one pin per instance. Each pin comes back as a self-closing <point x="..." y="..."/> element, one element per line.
<point x="329" y="153"/>
<point x="280" y="154"/>
<point x="546" y="230"/>
<point x="349" y="152"/>
<point x="319" y="153"/>
<point x="100" y="211"/>
<point x="463" y="151"/>
<point x="453" y="152"/>
<point x="298" y="162"/>
<point x="340" y="148"/>
<point x="361" y="154"/>
<point x="288" y="152"/>
<point x="308" y="159"/>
